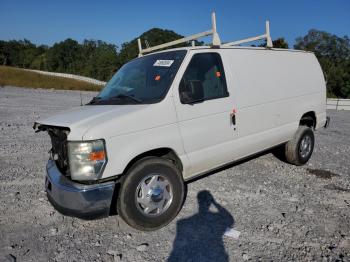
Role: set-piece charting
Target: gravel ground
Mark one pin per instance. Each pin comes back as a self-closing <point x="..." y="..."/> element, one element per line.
<point x="283" y="212"/>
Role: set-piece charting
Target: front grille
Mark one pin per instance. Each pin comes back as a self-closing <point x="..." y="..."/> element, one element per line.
<point x="59" y="150"/>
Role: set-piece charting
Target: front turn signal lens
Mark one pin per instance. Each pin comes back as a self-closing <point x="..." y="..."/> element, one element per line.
<point x="97" y="156"/>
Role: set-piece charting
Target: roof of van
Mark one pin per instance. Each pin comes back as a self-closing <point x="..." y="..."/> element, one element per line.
<point x="230" y="47"/>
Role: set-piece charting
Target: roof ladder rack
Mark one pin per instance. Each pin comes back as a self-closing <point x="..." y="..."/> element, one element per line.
<point x="215" y="42"/>
<point x="213" y="32"/>
<point x="266" y="36"/>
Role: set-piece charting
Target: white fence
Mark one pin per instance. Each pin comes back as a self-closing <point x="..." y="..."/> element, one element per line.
<point x="338" y="104"/>
<point x="81" y="78"/>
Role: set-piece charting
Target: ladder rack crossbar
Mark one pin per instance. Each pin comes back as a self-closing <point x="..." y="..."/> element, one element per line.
<point x="266" y="36"/>
<point x="176" y="42"/>
<point x="247" y="40"/>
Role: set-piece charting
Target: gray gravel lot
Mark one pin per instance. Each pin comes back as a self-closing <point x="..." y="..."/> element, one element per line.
<point x="284" y="213"/>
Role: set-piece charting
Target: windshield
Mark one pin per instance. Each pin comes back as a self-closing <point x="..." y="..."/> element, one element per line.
<point x="144" y="80"/>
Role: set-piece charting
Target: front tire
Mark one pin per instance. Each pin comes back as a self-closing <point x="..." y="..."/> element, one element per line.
<point x="299" y="150"/>
<point x="151" y="194"/>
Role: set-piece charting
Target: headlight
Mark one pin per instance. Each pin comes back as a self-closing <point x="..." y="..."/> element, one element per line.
<point x="86" y="159"/>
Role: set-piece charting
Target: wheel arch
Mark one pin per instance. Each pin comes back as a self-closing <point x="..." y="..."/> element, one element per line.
<point x="308" y="119"/>
<point x="163" y="152"/>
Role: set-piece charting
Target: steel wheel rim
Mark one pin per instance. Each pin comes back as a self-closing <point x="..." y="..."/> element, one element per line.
<point x="305" y="146"/>
<point x="154" y="195"/>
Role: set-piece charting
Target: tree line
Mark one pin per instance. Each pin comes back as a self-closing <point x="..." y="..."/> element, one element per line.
<point x="98" y="59"/>
<point x="92" y="58"/>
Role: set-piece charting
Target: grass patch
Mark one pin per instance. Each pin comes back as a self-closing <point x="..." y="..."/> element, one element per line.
<point x="18" y="77"/>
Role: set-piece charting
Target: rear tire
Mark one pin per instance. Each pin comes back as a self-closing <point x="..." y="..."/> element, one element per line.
<point x="299" y="150"/>
<point x="151" y="194"/>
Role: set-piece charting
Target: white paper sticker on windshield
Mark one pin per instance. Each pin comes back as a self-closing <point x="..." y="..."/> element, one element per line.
<point x="165" y="63"/>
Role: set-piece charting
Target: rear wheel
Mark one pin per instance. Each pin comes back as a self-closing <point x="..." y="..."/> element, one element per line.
<point x="151" y="194"/>
<point x="299" y="150"/>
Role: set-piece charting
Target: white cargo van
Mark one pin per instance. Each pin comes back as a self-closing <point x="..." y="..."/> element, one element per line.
<point x="169" y="116"/>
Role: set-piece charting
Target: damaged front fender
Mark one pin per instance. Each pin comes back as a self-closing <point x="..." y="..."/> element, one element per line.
<point x="59" y="150"/>
<point x="38" y="127"/>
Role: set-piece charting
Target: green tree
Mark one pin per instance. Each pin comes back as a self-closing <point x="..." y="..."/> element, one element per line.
<point x="17" y="53"/>
<point x="333" y="53"/>
<point x="101" y="59"/>
<point x="40" y="60"/>
<point x="278" y="43"/>
<point x="64" y="57"/>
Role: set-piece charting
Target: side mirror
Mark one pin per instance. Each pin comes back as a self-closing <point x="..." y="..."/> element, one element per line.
<point x="191" y="91"/>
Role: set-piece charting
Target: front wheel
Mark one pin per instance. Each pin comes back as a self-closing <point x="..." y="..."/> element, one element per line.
<point x="299" y="150"/>
<point x="151" y="194"/>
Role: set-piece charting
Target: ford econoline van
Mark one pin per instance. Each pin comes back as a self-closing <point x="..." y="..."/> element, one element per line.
<point x="169" y="116"/>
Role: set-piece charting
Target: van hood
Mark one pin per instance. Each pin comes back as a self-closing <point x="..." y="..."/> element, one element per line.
<point x="98" y="121"/>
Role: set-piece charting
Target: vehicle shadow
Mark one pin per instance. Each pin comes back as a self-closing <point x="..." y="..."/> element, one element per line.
<point x="200" y="237"/>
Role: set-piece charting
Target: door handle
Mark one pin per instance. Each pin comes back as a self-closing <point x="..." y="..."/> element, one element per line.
<point x="233" y="119"/>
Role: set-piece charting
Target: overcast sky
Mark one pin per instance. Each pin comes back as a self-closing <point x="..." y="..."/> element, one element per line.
<point x="46" y="22"/>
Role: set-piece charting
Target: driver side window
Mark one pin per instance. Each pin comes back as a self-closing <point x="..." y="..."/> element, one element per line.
<point x="207" y="69"/>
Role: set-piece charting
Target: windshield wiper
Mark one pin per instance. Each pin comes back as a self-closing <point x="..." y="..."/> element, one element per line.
<point x="94" y="100"/>
<point x="121" y="96"/>
<point x="99" y="100"/>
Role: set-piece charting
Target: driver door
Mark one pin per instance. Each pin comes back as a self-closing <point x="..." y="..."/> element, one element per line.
<point x="206" y="126"/>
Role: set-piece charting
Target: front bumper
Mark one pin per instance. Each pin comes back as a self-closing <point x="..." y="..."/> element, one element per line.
<point x="74" y="199"/>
